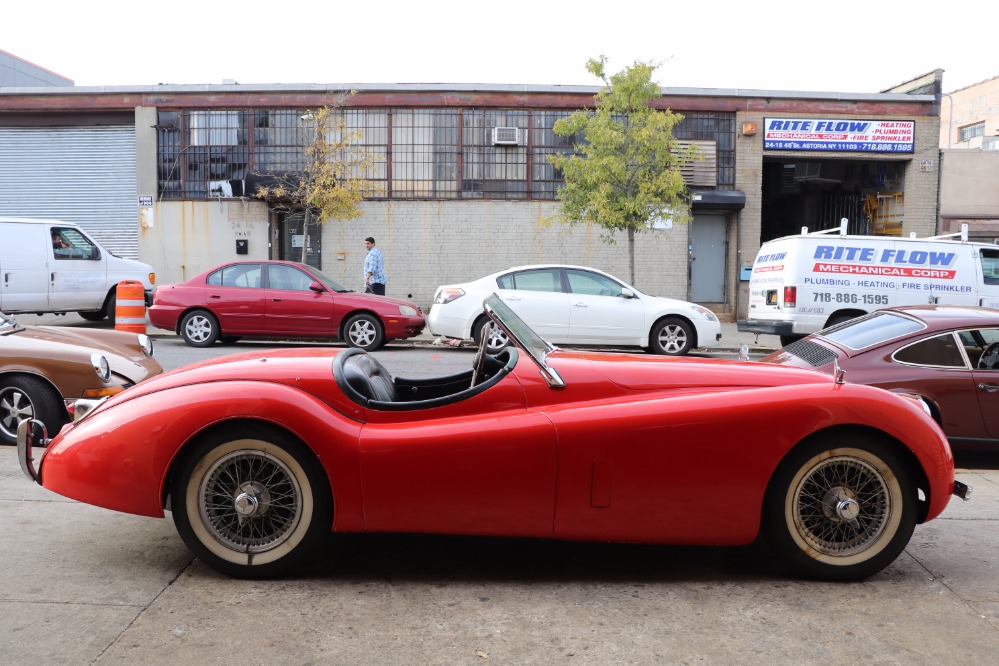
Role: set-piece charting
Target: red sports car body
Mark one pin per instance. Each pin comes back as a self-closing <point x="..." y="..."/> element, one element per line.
<point x="279" y="300"/>
<point x="258" y="454"/>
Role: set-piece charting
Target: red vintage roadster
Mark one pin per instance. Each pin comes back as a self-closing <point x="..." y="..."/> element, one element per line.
<point x="258" y="455"/>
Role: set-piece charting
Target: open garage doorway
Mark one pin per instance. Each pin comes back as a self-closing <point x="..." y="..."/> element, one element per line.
<point x="819" y="193"/>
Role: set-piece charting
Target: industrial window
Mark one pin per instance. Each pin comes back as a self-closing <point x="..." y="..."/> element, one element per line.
<point x="718" y="127"/>
<point x="968" y="132"/>
<point x="370" y="126"/>
<point x="415" y="153"/>
<point x="494" y="154"/>
<point x="424" y="153"/>
<point x="544" y="141"/>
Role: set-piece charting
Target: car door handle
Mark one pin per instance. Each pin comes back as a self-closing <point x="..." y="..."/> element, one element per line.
<point x="276" y="300"/>
<point x="988" y="387"/>
<point x="580" y="305"/>
<point x="215" y="296"/>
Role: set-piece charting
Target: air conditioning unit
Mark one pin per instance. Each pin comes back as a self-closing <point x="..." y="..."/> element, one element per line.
<point x="507" y="136"/>
<point x="807" y="170"/>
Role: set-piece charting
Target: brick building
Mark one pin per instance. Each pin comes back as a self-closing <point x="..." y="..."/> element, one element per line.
<point x="461" y="184"/>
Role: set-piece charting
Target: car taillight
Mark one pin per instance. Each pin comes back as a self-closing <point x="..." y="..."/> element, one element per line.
<point x="448" y="295"/>
<point x="790" y="296"/>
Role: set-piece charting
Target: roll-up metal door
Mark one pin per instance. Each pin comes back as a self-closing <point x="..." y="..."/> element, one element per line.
<point x="84" y="175"/>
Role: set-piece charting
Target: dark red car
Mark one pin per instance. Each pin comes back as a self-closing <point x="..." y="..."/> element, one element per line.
<point x="279" y="299"/>
<point x="948" y="355"/>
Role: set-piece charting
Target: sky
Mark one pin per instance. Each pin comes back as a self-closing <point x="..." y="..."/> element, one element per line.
<point x="835" y="46"/>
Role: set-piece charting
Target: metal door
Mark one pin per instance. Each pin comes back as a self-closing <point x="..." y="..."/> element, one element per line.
<point x="294" y="241"/>
<point x="706" y="268"/>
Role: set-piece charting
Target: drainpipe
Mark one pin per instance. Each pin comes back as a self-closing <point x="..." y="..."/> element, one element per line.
<point x="950" y="119"/>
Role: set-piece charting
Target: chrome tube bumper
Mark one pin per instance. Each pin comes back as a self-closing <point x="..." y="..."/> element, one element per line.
<point x="31" y="433"/>
<point x="962" y="490"/>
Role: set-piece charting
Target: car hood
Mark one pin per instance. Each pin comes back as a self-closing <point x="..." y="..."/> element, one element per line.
<point x="309" y="369"/>
<point x="120" y="348"/>
<point x="645" y="373"/>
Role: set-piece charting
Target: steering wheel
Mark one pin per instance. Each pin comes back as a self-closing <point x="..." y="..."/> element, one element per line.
<point x="479" y="363"/>
<point x="989" y="360"/>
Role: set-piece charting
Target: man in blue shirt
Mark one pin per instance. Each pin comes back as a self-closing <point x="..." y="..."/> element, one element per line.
<point x="374" y="269"/>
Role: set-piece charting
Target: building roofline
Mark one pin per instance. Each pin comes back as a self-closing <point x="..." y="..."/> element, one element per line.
<point x="314" y="88"/>
<point x="38" y="67"/>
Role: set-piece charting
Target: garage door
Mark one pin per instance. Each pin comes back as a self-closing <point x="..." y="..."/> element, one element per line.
<point x="79" y="174"/>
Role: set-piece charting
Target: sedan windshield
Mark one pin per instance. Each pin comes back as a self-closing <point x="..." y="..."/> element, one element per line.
<point x="872" y="330"/>
<point x="330" y="283"/>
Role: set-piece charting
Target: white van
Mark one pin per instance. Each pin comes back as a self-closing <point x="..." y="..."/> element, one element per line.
<point x="802" y="284"/>
<point x="54" y="266"/>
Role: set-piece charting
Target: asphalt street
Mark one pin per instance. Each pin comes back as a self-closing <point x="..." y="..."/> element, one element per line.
<point x="83" y="585"/>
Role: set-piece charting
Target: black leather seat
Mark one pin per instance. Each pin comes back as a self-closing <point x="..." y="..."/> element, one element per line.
<point x="362" y="375"/>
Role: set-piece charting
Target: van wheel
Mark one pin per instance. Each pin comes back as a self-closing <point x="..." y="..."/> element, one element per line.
<point x="199" y="328"/>
<point x="92" y="315"/>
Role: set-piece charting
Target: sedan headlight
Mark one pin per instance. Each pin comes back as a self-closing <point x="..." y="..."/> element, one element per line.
<point x="146" y="343"/>
<point x="447" y="295"/>
<point x="101" y="367"/>
<point x="407" y="310"/>
<point x="704" y="312"/>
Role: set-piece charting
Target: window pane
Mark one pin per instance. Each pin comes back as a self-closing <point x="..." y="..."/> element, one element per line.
<point x="538" y="280"/>
<point x="941" y="351"/>
<point x="585" y="282"/>
<point x="240" y="275"/>
<point x="871" y="330"/>
<point x="287" y="278"/>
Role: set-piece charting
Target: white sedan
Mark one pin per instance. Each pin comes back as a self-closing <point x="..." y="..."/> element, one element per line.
<point x="574" y="305"/>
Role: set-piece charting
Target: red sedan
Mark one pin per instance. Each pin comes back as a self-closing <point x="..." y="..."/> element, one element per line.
<point x="946" y="354"/>
<point x="258" y="456"/>
<point x="279" y="299"/>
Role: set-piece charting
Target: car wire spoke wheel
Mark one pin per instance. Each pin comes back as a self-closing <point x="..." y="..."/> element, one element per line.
<point x="841" y="506"/>
<point x="841" y="513"/>
<point x="250" y="501"/>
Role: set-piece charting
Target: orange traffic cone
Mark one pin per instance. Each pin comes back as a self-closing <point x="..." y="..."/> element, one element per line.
<point x="130" y="307"/>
